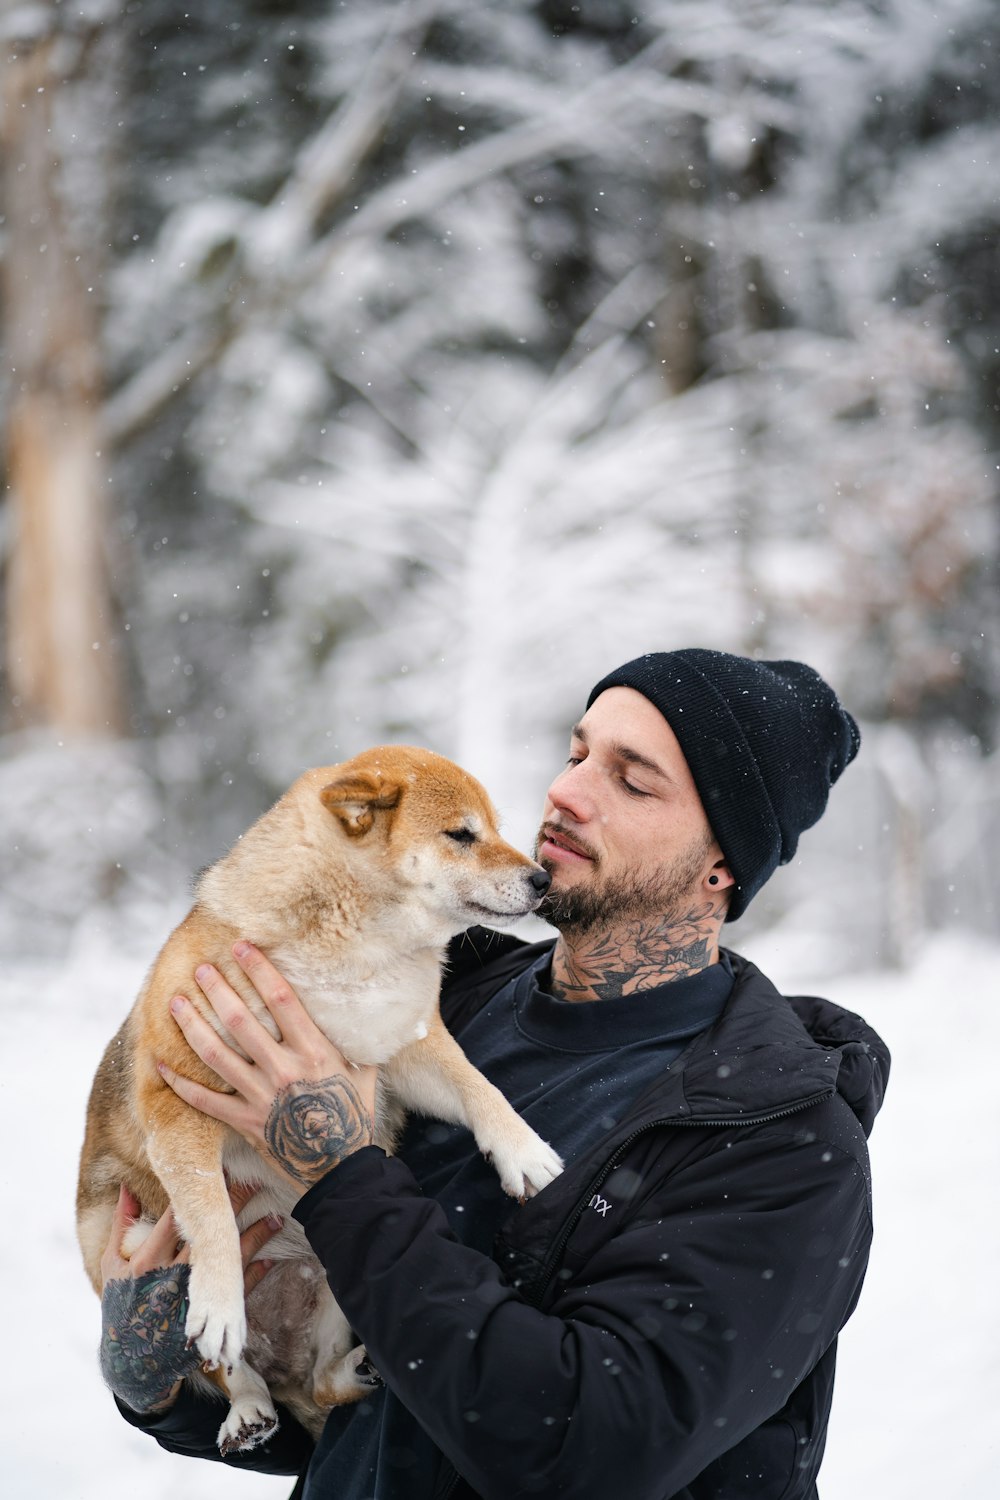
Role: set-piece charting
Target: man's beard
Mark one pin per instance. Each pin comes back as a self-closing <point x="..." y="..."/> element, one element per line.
<point x="664" y="894"/>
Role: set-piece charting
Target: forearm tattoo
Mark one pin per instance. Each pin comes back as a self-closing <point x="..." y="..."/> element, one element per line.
<point x="144" y="1350"/>
<point x="314" y="1124"/>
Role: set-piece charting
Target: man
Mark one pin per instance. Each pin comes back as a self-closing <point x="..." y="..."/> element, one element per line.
<point x="662" y="1319"/>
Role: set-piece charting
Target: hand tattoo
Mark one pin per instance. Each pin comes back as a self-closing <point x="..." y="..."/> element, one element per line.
<point x="313" y="1125"/>
<point x="144" y="1349"/>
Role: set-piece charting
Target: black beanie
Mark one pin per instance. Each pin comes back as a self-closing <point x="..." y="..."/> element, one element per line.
<point x="764" y="740"/>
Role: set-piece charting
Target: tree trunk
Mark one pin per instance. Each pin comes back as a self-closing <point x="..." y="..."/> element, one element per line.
<point x="61" y="658"/>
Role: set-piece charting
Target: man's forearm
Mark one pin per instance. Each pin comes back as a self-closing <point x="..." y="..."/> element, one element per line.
<point x="609" y="1384"/>
<point x="190" y="1427"/>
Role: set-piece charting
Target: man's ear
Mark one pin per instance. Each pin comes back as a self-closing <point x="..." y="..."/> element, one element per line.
<point x="355" y="800"/>
<point x="720" y="877"/>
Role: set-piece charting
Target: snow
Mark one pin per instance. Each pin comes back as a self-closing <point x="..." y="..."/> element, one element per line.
<point x="919" y="1375"/>
<point x="918" y="1383"/>
<point x="65" y="1437"/>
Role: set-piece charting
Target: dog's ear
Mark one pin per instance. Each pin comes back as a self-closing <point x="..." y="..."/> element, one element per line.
<point x="355" y="800"/>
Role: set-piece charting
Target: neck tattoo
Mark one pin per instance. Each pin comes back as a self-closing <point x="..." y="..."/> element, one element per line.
<point x="636" y="956"/>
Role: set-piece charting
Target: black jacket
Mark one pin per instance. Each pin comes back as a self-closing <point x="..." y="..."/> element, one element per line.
<point x="661" y="1321"/>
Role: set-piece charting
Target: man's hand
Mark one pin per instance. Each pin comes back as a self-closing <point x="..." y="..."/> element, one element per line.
<point x="297" y="1101"/>
<point x="144" y="1351"/>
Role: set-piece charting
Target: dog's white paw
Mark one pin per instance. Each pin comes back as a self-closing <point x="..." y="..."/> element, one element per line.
<point x="216" y="1321"/>
<point x="525" y="1164"/>
<point x="250" y="1422"/>
<point x="346" y="1379"/>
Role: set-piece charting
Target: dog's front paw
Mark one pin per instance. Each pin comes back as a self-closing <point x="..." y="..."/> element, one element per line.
<point x="525" y="1164"/>
<point x="216" y="1321"/>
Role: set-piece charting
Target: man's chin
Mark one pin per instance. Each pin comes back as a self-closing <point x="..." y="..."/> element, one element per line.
<point x="577" y="907"/>
<point x="569" y="909"/>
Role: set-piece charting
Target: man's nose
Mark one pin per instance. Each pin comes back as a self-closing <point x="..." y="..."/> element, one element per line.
<point x="569" y="793"/>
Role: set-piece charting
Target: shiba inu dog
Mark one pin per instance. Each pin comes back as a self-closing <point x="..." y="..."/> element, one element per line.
<point x="352" y="884"/>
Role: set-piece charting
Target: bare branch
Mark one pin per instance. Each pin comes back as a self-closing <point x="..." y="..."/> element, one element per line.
<point x="330" y="160"/>
<point x="628" y="301"/>
<point x="151" y="390"/>
<point x="577" y="127"/>
<point x="567" y="130"/>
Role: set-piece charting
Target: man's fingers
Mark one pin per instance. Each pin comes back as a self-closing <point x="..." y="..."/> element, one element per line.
<point x="161" y="1247"/>
<point x="228" y="1108"/>
<point x="257" y="1235"/>
<point x="294" y="1022"/>
<point x="240" y="1194"/>
<point x="113" y="1263"/>
<point x="210" y="1047"/>
<point x="255" y="1273"/>
<point x="252" y="1241"/>
<point x="235" y="1015"/>
<point x="160" y="1244"/>
<point x="126" y="1212"/>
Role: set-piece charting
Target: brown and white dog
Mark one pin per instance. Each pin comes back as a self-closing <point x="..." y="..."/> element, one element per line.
<point x="352" y="884"/>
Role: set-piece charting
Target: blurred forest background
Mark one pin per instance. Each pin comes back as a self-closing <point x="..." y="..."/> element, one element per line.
<point x="381" y="370"/>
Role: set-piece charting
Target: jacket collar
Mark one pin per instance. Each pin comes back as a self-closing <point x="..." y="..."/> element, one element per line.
<point x="768" y="1054"/>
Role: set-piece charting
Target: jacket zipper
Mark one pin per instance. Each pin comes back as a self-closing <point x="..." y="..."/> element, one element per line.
<point x="555" y="1254"/>
<point x="548" y="1270"/>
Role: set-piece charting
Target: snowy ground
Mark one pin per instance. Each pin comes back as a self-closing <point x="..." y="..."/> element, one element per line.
<point x="915" y="1416"/>
<point x="918" y="1386"/>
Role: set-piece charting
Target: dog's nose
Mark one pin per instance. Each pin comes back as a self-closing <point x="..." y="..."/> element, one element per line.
<point x="541" y="880"/>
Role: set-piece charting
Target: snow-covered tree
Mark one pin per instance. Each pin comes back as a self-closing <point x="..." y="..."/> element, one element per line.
<point x="455" y="352"/>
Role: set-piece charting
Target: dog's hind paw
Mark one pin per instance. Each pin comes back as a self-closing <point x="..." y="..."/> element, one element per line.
<point x="346" y="1379"/>
<point x="366" y="1374"/>
<point x="248" y="1424"/>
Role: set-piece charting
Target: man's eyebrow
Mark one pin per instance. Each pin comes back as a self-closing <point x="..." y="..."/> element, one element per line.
<point x="626" y="753"/>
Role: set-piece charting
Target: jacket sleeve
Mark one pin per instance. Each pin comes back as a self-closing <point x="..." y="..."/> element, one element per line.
<point x="678" y="1336"/>
<point x="191" y="1425"/>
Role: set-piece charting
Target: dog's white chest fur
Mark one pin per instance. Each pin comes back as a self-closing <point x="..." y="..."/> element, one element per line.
<point x="370" y="1016"/>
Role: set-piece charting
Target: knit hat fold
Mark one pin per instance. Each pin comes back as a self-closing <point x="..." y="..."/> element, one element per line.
<point x="764" y="740"/>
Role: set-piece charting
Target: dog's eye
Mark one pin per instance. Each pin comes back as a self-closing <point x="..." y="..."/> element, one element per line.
<point x="460" y="835"/>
